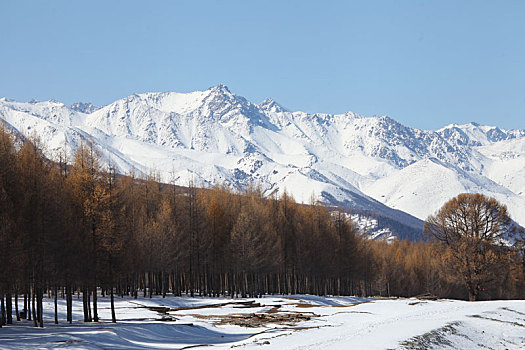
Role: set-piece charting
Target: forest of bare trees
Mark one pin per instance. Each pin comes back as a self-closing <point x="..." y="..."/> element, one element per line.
<point x="81" y="232"/>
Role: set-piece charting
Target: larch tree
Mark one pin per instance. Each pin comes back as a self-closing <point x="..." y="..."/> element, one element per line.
<point x="90" y="193"/>
<point x="34" y="169"/>
<point x="477" y="229"/>
<point x="254" y="245"/>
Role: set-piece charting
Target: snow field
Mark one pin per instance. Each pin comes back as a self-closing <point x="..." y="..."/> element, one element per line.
<point x="329" y="322"/>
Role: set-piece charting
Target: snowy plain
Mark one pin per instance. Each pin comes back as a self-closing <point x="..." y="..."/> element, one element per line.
<point x="280" y="322"/>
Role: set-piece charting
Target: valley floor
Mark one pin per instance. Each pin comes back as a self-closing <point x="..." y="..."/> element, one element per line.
<point x="291" y="322"/>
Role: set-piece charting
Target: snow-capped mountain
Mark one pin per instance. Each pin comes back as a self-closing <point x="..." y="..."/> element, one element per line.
<point x="372" y="164"/>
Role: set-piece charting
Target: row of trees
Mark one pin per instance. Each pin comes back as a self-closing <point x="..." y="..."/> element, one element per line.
<point x="80" y="228"/>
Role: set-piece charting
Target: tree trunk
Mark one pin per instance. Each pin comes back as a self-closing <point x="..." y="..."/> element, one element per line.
<point x="56" y="305"/>
<point x="95" y="310"/>
<point x="472" y="291"/>
<point x="472" y="296"/>
<point x="144" y="285"/>
<point x="33" y="307"/>
<point x="150" y="284"/>
<point x="112" y="297"/>
<point x="2" y="308"/>
<point x="16" y="306"/>
<point x="26" y="310"/>
<point x="9" y="308"/>
<point x="113" y="317"/>
<point x="27" y="302"/>
<point x="89" y="304"/>
<point x="163" y="284"/>
<point x="40" y="296"/>
<point x="85" y="305"/>
<point x="69" y="304"/>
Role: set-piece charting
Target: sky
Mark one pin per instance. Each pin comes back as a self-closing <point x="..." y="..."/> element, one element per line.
<point x="424" y="63"/>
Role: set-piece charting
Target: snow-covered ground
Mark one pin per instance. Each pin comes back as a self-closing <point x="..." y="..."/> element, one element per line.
<point x="291" y="322"/>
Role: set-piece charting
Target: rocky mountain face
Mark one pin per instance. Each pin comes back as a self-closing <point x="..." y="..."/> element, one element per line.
<point x="397" y="174"/>
<point x="82" y="107"/>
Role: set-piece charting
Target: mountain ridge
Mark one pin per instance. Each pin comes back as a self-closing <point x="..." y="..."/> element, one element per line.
<point x="215" y="136"/>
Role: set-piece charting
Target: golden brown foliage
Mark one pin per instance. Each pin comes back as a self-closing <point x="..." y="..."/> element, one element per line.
<point x="476" y="229"/>
<point x="82" y="228"/>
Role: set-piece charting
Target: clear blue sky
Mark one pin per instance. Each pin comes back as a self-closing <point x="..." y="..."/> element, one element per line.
<point x="423" y="63"/>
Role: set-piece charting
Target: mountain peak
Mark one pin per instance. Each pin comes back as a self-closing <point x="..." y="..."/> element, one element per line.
<point x="219" y="88"/>
<point x="272" y="106"/>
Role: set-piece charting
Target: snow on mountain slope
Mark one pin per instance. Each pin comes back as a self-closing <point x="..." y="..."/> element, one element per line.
<point x="504" y="163"/>
<point x="408" y="189"/>
<point x="372" y="164"/>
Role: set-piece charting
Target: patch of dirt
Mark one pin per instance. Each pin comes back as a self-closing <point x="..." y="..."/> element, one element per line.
<point x="160" y="309"/>
<point x="165" y="316"/>
<point x="254" y="320"/>
<point x="427" y="296"/>
<point x="236" y="304"/>
<point x="304" y="305"/>
<point x="274" y="309"/>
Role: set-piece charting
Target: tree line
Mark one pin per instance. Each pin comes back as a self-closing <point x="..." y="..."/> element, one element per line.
<point x="80" y="231"/>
